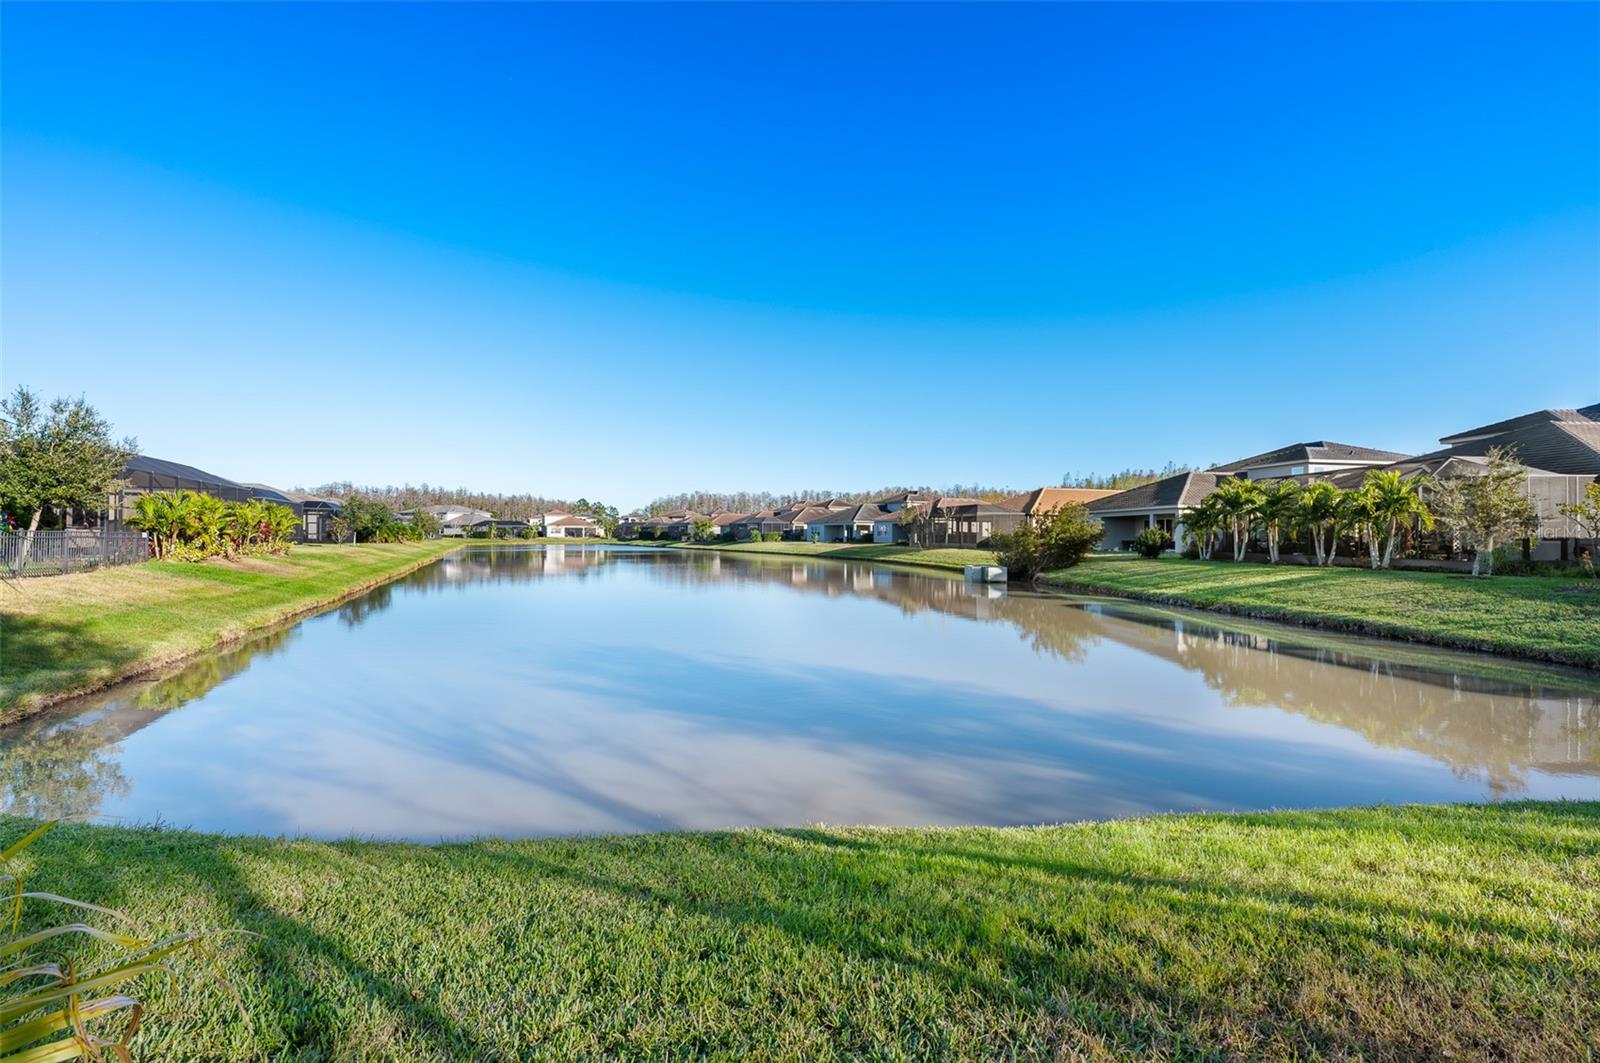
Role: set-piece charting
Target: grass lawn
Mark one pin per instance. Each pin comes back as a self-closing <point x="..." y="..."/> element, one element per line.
<point x="66" y="634"/>
<point x="1543" y="617"/>
<point x="955" y="558"/>
<point x="1466" y="932"/>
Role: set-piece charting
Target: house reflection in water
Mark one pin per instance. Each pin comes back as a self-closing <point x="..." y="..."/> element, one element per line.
<point x="1498" y="723"/>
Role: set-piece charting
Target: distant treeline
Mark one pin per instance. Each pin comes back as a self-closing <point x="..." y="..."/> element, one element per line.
<point x="712" y="502"/>
<point x="1124" y="479"/>
<point x="506" y="507"/>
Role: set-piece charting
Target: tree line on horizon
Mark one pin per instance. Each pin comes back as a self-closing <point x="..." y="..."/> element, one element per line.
<point x="713" y="502"/>
<point x="524" y="506"/>
<point x="1124" y="479"/>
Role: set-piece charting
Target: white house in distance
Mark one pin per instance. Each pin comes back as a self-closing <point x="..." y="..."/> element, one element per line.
<point x="569" y="526"/>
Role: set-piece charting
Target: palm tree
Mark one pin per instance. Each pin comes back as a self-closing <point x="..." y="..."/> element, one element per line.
<point x="1389" y="499"/>
<point x="1323" y="512"/>
<point x="243" y="522"/>
<point x="1278" y="509"/>
<point x="1202" y="523"/>
<point x="205" y="523"/>
<point x="1237" y="499"/>
<point x="156" y="513"/>
<point x="280" y="525"/>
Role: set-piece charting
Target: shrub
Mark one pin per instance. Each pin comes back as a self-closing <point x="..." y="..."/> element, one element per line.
<point x="190" y="526"/>
<point x="366" y="518"/>
<point x="395" y="531"/>
<point x="1059" y="539"/>
<point x="1152" y="542"/>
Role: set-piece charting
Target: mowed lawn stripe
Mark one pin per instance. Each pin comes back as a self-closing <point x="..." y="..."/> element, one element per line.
<point x="1549" y="618"/>
<point x="61" y="635"/>
<point x="1463" y="932"/>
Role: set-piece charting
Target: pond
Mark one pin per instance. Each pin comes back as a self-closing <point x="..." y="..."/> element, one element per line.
<point x="526" y="691"/>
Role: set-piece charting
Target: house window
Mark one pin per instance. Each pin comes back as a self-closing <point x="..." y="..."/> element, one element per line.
<point x="1297" y="470"/>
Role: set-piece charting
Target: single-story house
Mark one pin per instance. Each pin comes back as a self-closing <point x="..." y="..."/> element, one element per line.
<point x="844" y="524"/>
<point x="751" y="523"/>
<point x="1160" y="504"/>
<point x="727" y="523"/>
<point x="569" y="526"/>
<point x="678" y="524"/>
<point x="788" y="521"/>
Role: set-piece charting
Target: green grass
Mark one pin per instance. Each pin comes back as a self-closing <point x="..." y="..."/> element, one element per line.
<point x="1541" y="617"/>
<point x="66" y="634"/>
<point x="1465" y="932"/>
<point x="955" y="558"/>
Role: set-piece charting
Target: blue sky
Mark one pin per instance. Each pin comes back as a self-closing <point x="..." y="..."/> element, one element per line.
<point x="618" y="251"/>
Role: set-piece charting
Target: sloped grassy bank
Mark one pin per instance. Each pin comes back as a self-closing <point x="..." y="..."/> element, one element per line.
<point x="1545" y="618"/>
<point x="67" y="635"/>
<point x="1400" y="933"/>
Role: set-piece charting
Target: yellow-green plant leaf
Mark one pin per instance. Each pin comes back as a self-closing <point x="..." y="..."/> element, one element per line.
<point x="27" y="941"/>
<point x="26" y="840"/>
<point x="27" y="1033"/>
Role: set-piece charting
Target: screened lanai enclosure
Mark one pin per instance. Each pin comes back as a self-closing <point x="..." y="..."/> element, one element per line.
<point x="144" y="474"/>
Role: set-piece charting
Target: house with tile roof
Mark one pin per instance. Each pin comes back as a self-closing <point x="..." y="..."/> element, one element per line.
<point x="725" y="523"/>
<point x="1048" y="499"/>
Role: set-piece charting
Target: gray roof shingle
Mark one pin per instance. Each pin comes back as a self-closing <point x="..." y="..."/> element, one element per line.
<point x="1181" y="490"/>
<point x="1320" y="450"/>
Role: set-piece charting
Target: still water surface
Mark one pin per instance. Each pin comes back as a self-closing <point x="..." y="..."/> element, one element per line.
<point x="534" y="691"/>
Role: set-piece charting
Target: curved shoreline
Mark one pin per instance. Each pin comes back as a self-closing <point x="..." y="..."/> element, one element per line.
<point x="1394" y="631"/>
<point x="29" y="703"/>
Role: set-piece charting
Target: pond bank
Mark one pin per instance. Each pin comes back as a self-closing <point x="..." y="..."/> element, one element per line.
<point x="1414" y="932"/>
<point x="1542" y="618"/>
<point x="947" y="558"/>
<point x="63" y="636"/>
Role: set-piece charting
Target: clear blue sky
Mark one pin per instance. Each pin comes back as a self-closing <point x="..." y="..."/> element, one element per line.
<point x="623" y="250"/>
